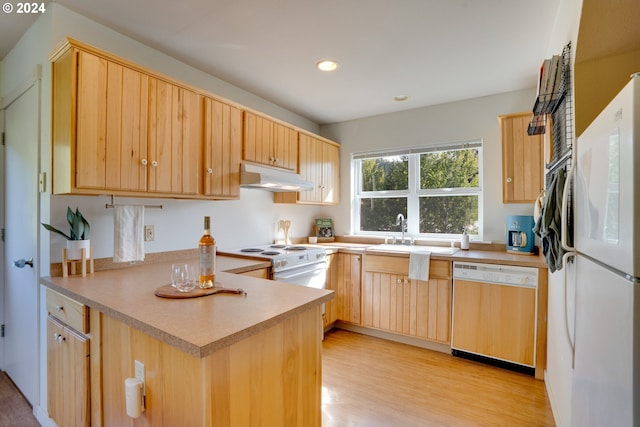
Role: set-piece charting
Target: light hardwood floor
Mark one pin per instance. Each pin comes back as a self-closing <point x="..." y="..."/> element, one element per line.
<point x="371" y="382"/>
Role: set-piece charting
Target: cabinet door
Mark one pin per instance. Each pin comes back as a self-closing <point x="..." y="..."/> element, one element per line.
<point x="91" y="120"/>
<point x="310" y="152"/>
<point x="257" y="139"/>
<point x="222" y="149"/>
<point x="431" y="309"/>
<point x="348" y="296"/>
<point x="330" y="173"/>
<point x="333" y="280"/>
<point x="67" y="375"/>
<point x="284" y="147"/>
<point x="320" y="164"/>
<point x="383" y="301"/>
<point x="126" y="129"/>
<point x="522" y="154"/>
<point x="174" y="138"/>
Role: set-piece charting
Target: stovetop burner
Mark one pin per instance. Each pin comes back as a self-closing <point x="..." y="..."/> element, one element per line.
<point x="283" y="257"/>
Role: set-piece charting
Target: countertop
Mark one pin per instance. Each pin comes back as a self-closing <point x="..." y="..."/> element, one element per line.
<point x="474" y="255"/>
<point x="197" y="326"/>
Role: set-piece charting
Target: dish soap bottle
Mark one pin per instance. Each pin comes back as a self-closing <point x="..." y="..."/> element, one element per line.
<point x="207" y="247"/>
<point x="464" y="241"/>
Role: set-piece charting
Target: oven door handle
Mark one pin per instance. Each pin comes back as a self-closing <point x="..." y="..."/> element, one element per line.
<point x="301" y="271"/>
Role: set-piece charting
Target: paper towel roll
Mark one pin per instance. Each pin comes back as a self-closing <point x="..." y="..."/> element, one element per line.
<point x="133" y="396"/>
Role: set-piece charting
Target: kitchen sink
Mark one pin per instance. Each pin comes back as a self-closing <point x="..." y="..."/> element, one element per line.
<point x="440" y="250"/>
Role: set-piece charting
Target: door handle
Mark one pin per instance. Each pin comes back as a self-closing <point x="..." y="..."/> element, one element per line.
<point x="22" y="262"/>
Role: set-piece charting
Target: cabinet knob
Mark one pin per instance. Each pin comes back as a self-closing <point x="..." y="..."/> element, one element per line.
<point x="144" y="162"/>
<point x="59" y="308"/>
<point x="509" y="179"/>
<point x="154" y="163"/>
<point x="209" y="171"/>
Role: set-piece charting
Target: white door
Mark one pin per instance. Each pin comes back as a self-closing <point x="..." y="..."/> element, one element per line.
<point x="19" y="312"/>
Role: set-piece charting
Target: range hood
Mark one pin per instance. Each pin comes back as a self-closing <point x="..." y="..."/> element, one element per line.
<point x="271" y="179"/>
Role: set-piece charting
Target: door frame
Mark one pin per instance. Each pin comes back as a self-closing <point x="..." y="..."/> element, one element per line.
<point x="33" y="81"/>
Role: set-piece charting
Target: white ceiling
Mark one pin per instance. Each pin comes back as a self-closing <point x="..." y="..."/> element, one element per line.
<point x="433" y="51"/>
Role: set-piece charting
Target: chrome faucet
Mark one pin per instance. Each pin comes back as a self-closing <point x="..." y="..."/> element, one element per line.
<point x="403" y="225"/>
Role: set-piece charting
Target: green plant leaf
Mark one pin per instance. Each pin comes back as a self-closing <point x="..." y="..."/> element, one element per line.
<point x="55" y="230"/>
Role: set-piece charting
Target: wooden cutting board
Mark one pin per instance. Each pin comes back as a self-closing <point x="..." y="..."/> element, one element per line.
<point x="168" y="291"/>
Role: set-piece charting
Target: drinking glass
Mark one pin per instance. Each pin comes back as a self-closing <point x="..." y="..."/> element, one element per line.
<point x="183" y="278"/>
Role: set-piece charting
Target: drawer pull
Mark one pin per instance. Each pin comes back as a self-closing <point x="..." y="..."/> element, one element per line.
<point x="59" y="338"/>
<point x="59" y="308"/>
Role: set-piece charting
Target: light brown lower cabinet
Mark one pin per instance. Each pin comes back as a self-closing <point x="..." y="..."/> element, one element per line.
<point x="392" y="302"/>
<point x="271" y="378"/>
<point x="344" y="278"/>
<point x="331" y="307"/>
<point x="68" y="382"/>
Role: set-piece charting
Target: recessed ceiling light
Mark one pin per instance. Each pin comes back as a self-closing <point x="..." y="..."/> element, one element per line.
<point x="400" y="98"/>
<point x="327" y="65"/>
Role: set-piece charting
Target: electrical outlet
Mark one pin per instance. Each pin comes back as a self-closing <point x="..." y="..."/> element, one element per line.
<point x="149" y="233"/>
<point x="139" y="371"/>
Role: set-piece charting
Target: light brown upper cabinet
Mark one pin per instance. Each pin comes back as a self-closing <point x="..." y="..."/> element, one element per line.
<point x="222" y="149"/>
<point x="320" y="164"/>
<point x="175" y="139"/>
<point x="522" y="154"/>
<point x="121" y="131"/>
<point x="269" y="143"/>
<point x="120" y="128"/>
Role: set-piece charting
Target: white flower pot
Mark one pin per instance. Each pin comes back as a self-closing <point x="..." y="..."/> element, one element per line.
<point x="74" y="249"/>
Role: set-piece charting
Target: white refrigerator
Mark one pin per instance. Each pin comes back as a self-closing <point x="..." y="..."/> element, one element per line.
<point x="606" y="376"/>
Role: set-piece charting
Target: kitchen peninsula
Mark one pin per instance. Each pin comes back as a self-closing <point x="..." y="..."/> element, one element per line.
<point x="223" y="359"/>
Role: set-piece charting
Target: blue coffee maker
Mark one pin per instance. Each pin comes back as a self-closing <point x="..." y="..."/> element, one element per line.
<point x="520" y="237"/>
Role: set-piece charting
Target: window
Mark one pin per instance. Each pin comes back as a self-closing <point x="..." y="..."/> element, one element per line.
<point x="437" y="190"/>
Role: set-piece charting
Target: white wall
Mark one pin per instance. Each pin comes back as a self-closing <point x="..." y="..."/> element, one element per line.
<point x="471" y="119"/>
<point x="559" y="372"/>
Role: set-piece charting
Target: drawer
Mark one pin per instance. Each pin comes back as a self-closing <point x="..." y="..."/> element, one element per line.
<point x="438" y="269"/>
<point x="68" y="311"/>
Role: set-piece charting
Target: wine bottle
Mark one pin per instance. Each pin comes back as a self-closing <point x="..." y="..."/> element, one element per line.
<point x="207" y="246"/>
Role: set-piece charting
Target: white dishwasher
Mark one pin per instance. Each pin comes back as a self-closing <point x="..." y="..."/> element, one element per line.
<point x="494" y="313"/>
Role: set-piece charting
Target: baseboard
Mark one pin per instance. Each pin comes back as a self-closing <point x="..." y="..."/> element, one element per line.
<point x="43" y="417"/>
<point x="552" y="400"/>
<point x="429" y="345"/>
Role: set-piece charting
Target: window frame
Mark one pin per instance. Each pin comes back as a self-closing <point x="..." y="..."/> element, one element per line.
<point x="414" y="192"/>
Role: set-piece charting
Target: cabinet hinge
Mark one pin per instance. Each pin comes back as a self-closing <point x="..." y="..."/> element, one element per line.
<point x="2" y="235"/>
<point x="3" y="137"/>
<point x="2" y="331"/>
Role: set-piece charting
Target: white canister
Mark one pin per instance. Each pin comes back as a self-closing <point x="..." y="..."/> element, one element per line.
<point x="464" y="241"/>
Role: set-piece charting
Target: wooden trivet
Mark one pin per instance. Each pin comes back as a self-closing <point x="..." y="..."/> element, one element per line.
<point x="168" y="291"/>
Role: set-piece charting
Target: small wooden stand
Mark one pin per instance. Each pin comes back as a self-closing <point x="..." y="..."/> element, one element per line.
<point x="75" y="262"/>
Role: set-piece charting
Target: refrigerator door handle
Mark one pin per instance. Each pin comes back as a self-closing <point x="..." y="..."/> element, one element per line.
<point x="565" y="210"/>
<point x="570" y="336"/>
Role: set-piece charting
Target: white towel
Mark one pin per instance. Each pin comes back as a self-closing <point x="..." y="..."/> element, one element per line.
<point x="419" y="265"/>
<point x="128" y="227"/>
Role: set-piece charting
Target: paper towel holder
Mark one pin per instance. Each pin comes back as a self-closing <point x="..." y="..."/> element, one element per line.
<point x="134" y="397"/>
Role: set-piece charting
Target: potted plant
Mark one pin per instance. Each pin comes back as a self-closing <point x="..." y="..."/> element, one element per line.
<point x="78" y="236"/>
